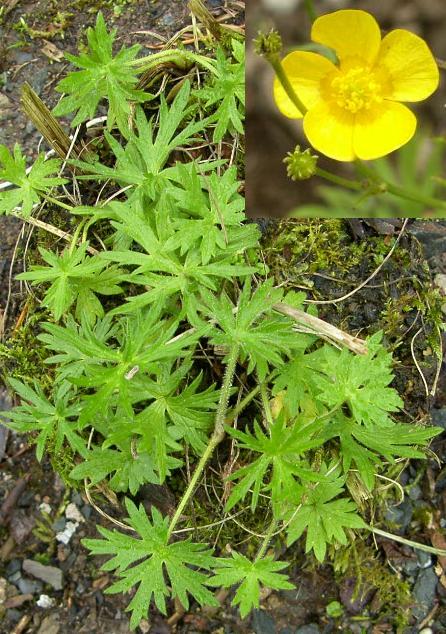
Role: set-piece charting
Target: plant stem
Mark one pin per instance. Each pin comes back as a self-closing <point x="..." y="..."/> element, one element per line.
<point x="275" y="62"/>
<point x="266" y="405"/>
<point x="266" y="539"/>
<point x="397" y="538"/>
<point x="339" y="180"/>
<point x="59" y="203"/>
<point x="217" y="435"/>
<point x="309" y="7"/>
<point x="396" y="190"/>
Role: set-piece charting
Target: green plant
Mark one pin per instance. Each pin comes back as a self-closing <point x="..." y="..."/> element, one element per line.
<point x="134" y="388"/>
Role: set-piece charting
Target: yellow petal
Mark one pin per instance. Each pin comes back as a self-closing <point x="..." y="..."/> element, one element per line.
<point x="410" y="66"/>
<point x="330" y="131"/>
<point x="351" y="33"/>
<point x="305" y="71"/>
<point x="383" y="130"/>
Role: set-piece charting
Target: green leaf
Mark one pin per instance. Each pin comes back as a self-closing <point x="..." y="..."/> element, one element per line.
<point x="322" y="516"/>
<point x="360" y="381"/>
<point x="74" y="276"/>
<point x="131" y="470"/>
<point x="225" y="92"/>
<point x="52" y="422"/>
<point x="264" y="337"/>
<point x="161" y="564"/>
<point x="280" y="450"/>
<point x="251" y="575"/>
<point x="31" y="187"/>
<point x="104" y="76"/>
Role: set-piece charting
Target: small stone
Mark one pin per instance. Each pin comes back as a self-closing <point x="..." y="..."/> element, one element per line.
<point x="415" y="492"/>
<point x="426" y="630"/>
<point x="73" y="513"/>
<point x="29" y="586"/>
<point x="312" y="628"/>
<point x="424" y="593"/>
<point x="262" y="622"/>
<point x="48" y="574"/>
<point x="45" y="508"/>
<point x="21" y="525"/>
<point x="13" y="566"/>
<point x="68" y="532"/>
<point x="424" y="559"/>
<point x="44" y="601"/>
<point x="50" y="625"/>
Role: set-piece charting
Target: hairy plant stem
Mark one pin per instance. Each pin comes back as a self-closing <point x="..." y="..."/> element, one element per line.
<point x="339" y="180"/>
<point x="57" y="202"/>
<point x="266" y="405"/>
<point x="217" y="435"/>
<point x="275" y="62"/>
<point x="396" y="190"/>
<point x="266" y="539"/>
<point x="378" y="185"/>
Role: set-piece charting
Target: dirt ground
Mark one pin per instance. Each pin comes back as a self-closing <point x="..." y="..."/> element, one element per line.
<point x="270" y="135"/>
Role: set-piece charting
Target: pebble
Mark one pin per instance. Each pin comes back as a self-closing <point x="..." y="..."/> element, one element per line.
<point x="29" y="586"/>
<point x="45" y="508"/>
<point x="312" y="628"/>
<point x="68" y="532"/>
<point x="73" y="513"/>
<point x="426" y="630"/>
<point x="48" y="574"/>
<point x="424" y="593"/>
<point x="44" y="601"/>
<point x="424" y="559"/>
<point x="49" y="625"/>
<point x="262" y="622"/>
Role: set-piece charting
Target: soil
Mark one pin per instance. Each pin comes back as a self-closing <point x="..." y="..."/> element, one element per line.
<point x="270" y="136"/>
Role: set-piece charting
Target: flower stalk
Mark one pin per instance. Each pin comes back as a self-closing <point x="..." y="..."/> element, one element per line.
<point x="217" y="435"/>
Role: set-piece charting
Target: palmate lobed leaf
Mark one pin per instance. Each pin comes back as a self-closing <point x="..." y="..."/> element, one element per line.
<point x="75" y="278"/>
<point x="31" y="187"/>
<point x="226" y="91"/>
<point x="158" y="559"/>
<point x="54" y="422"/>
<point x="104" y="76"/>
<point x="251" y="575"/>
<point x="324" y="515"/>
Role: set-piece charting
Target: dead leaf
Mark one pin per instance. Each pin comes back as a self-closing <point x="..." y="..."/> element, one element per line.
<point x="52" y="52"/>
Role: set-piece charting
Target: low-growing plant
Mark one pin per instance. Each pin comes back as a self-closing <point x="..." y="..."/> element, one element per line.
<point x="168" y="340"/>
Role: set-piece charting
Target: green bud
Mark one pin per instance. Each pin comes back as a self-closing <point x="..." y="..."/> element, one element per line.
<point x="267" y="44"/>
<point x="300" y="164"/>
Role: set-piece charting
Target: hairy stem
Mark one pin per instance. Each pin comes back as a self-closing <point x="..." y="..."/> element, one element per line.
<point x="339" y="180"/>
<point x="275" y="62"/>
<point x="266" y="539"/>
<point x="217" y="435"/>
<point x="396" y="190"/>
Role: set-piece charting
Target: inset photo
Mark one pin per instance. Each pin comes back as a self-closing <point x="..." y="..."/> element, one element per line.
<point x="346" y="109"/>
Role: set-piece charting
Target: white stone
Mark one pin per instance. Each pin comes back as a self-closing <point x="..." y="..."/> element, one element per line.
<point x="44" y="601"/>
<point x="67" y="533"/>
<point x="73" y="513"/>
<point x="45" y="508"/>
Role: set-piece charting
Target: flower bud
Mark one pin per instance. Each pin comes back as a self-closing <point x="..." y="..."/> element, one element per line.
<point x="300" y="164"/>
<point x="267" y="44"/>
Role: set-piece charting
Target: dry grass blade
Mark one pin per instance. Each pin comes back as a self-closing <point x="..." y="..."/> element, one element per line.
<point x="48" y="126"/>
<point x="222" y="34"/>
<point x="318" y="326"/>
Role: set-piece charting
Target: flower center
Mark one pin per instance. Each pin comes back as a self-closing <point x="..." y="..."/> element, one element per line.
<point x="356" y="89"/>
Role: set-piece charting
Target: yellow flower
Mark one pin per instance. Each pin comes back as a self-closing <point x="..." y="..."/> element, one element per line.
<point x="353" y="108"/>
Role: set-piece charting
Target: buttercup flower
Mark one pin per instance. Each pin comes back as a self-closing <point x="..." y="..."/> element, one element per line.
<point x="353" y="108"/>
